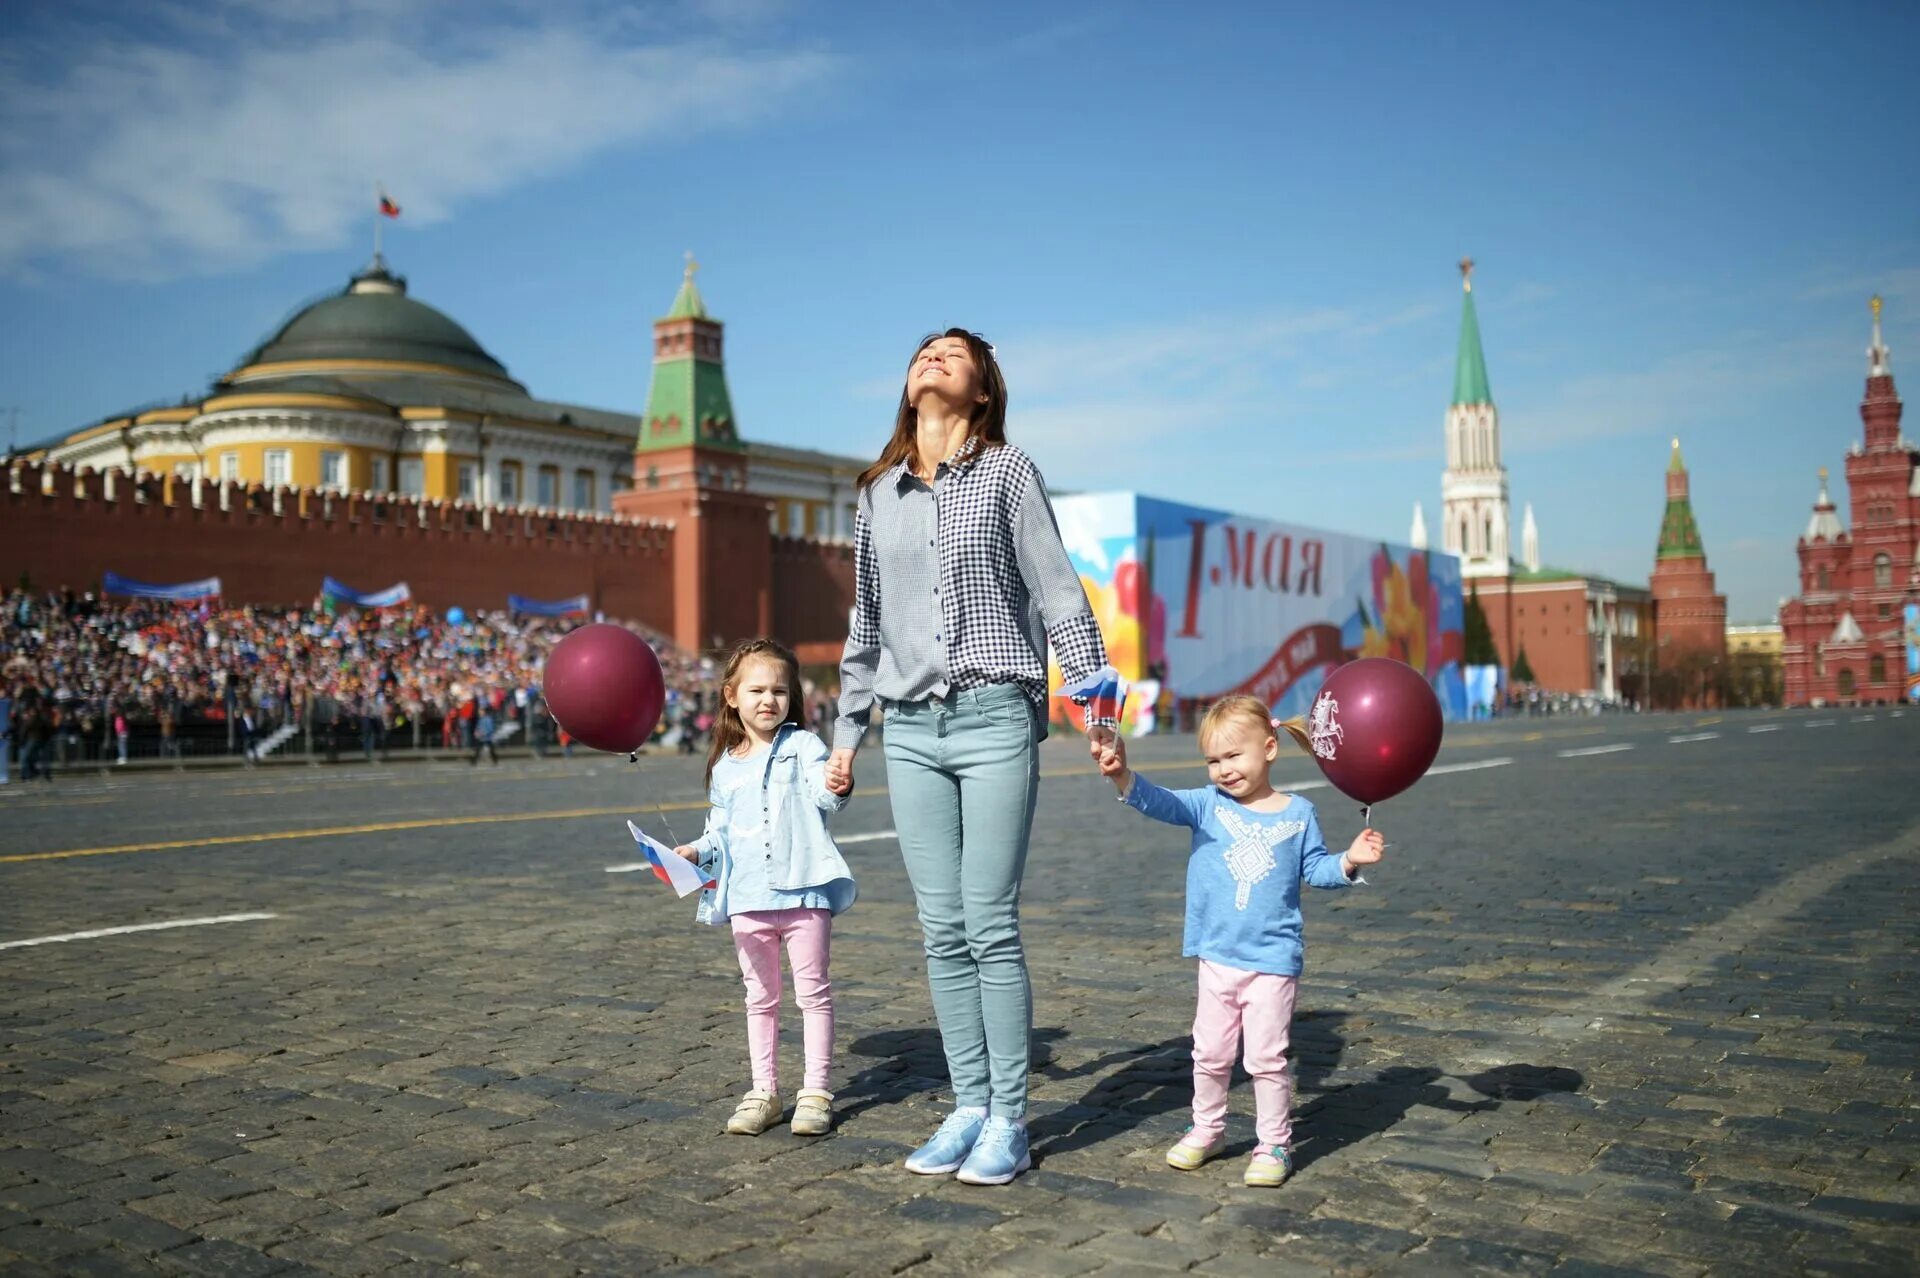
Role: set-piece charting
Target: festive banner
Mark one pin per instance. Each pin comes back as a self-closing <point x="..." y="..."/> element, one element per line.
<point x="1483" y="690"/>
<point x="391" y="597"/>
<point x="186" y="592"/>
<point x="576" y="606"/>
<point x="1913" y="651"/>
<point x="1210" y="603"/>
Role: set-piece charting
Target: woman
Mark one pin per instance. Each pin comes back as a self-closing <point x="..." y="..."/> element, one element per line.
<point x="960" y="582"/>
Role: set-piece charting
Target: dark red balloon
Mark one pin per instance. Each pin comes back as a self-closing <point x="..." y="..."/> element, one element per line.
<point x="1375" y="728"/>
<point x="604" y="686"/>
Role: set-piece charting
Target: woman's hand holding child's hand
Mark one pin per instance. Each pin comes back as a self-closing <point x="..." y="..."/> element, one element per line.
<point x="840" y="771"/>
<point x="1110" y="755"/>
<point x="688" y="851"/>
<point x="1367" y="848"/>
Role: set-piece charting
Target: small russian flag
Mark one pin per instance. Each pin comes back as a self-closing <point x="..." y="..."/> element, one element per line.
<point x="669" y="866"/>
<point x="1102" y="694"/>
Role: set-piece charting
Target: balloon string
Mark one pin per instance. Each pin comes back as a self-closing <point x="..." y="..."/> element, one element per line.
<point x="634" y="757"/>
<point x="1366" y="816"/>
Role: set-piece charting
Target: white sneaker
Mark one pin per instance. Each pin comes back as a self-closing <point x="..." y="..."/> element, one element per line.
<point x="756" y="1112"/>
<point x="812" y="1112"/>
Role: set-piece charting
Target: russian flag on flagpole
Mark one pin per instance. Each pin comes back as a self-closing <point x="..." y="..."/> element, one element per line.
<point x="669" y="866"/>
<point x="1102" y="694"/>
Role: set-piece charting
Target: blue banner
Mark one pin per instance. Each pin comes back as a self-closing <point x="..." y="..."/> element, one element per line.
<point x="576" y="606"/>
<point x="391" y="597"/>
<point x="185" y="592"/>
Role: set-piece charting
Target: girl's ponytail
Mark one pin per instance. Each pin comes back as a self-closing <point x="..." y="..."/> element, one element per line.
<point x="1296" y="728"/>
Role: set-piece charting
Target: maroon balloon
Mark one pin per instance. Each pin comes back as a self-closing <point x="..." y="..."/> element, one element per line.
<point x="604" y="686"/>
<point x="1375" y="728"/>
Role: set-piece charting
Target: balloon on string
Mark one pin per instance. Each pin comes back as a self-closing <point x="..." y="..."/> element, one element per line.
<point x="1375" y="728"/>
<point x="604" y="687"/>
<point x="456" y="616"/>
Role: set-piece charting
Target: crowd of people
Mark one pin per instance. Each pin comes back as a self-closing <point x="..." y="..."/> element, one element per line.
<point x="99" y="681"/>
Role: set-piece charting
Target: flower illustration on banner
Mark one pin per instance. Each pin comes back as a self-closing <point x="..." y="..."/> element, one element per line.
<point x="1116" y="608"/>
<point x="1404" y="621"/>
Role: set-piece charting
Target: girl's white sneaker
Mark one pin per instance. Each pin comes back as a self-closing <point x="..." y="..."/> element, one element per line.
<point x="812" y="1112"/>
<point x="756" y="1112"/>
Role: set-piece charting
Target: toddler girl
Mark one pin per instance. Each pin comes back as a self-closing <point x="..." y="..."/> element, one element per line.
<point x="1252" y="847"/>
<point x="778" y="878"/>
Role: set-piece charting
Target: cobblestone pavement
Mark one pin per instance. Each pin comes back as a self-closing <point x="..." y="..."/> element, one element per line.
<point x="1648" y="1010"/>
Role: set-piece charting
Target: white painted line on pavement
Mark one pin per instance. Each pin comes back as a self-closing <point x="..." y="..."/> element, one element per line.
<point x="136" y="927"/>
<point x="1584" y="751"/>
<point x="1764" y="727"/>
<point x="1863" y="718"/>
<point x="1821" y="723"/>
<point x="629" y="867"/>
<point x="1475" y="766"/>
<point x="1691" y="736"/>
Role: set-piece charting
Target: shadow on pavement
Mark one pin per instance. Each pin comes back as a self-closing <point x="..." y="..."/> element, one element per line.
<point x="908" y="1062"/>
<point x="1346" y="1115"/>
<point x="1149" y="1081"/>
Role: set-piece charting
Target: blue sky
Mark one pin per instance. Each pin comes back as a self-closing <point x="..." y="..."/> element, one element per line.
<point x="1214" y="247"/>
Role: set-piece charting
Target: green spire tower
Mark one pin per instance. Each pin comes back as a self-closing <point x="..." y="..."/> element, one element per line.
<point x="1470" y="365"/>
<point x="1679" y="534"/>
<point x="688" y="403"/>
<point x="1473" y="492"/>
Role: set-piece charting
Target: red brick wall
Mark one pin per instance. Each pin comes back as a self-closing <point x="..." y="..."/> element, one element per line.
<point x="1551" y="625"/>
<point x="449" y="554"/>
<point x="812" y="592"/>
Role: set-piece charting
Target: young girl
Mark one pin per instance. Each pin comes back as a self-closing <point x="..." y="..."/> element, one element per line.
<point x="1252" y="847"/>
<point x="778" y="876"/>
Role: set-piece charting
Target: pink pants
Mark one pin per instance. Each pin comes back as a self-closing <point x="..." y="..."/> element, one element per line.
<point x="757" y="935"/>
<point x="1256" y="1007"/>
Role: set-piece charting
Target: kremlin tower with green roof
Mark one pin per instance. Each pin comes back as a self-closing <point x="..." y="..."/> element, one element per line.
<point x="690" y="471"/>
<point x="1474" y="521"/>
<point x="688" y="402"/>
<point x="1692" y="618"/>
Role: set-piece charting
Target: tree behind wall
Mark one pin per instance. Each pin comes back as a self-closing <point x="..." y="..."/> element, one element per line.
<point x="1522" y="668"/>
<point x="1479" y="635"/>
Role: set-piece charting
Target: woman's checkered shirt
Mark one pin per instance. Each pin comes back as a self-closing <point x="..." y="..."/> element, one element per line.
<point x="960" y="584"/>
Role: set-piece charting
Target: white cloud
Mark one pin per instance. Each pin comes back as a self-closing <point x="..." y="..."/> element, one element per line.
<point x="187" y="154"/>
<point x="1676" y="395"/>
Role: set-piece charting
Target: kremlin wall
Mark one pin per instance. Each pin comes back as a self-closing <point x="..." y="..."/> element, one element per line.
<point x="63" y="526"/>
<point x="373" y="440"/>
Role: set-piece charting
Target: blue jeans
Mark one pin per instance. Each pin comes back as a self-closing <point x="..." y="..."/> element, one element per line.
<point x="963" y="772"/>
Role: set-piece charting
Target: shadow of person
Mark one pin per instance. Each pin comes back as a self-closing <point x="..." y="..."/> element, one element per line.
<point x="1343" y="1115"/>
<point x="907" y="1062"/>
<point x="1155" y="1080"/>
<point x="1149" y="1081"/>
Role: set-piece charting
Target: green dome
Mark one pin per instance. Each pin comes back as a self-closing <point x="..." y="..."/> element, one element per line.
<point x="376" y="320"/>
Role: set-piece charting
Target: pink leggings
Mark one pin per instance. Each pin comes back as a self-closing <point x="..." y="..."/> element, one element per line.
<point x="1256" y="1007"/>
<point x="808" y="934"/>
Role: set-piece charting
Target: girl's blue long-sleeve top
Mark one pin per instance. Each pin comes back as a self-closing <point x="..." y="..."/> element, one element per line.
<point x="1244" y="874"/>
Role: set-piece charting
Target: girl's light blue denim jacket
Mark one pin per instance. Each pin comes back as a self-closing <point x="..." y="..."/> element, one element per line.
<point x="792" y="799"/>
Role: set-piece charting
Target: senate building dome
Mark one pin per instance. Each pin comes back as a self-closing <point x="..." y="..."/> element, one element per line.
<point x="374" y="322"/>
<point x="372" y="390"/>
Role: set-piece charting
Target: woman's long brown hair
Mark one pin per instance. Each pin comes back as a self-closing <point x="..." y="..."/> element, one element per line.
<point x="986" y="424"/>
<point x="729" y="730"/>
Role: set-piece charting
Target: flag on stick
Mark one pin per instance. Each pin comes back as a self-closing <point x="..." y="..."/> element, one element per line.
<point x="1102" y="694"/>
<point x="669" y="866"/>
<point x="387" y="206"/>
